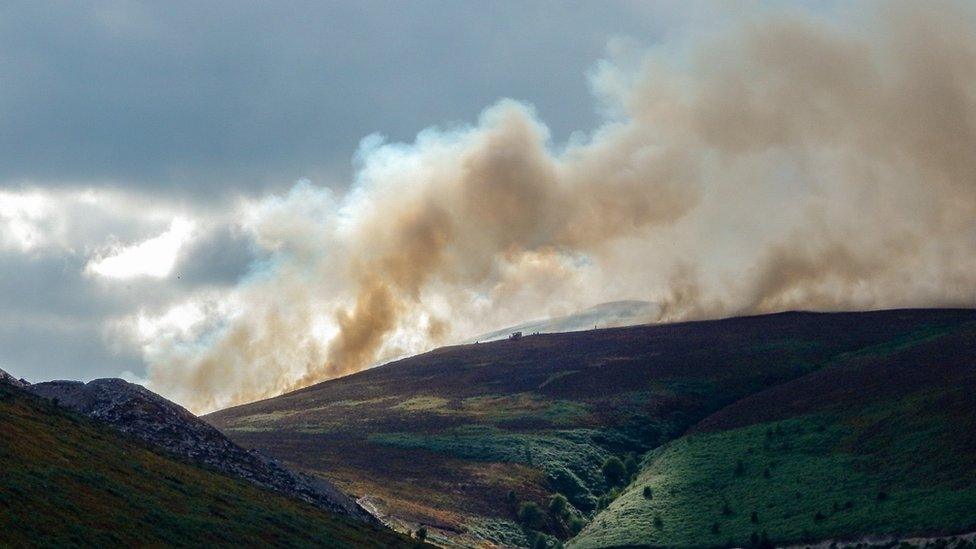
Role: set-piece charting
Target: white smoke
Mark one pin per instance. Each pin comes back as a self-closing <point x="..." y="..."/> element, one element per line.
<point x="790" y="162"/>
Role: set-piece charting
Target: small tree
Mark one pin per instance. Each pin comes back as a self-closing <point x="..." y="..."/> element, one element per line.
<point x="740" y="468"/>
<point x="658" y="522"/>
<point x="511" y="499"/>
<point x="422" y="533"/>
<point x="576" y="524"/>
<point x="648" y="493"/>
<point x="754" y="517"/>
<point x="531" y="515"/>
<point x="558" y="505"/>
<point x="614" y="470"/>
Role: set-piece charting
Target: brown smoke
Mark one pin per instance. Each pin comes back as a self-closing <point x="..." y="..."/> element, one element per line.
<point x="793" y="162"/>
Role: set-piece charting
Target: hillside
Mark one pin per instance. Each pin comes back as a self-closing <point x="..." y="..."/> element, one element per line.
<point x="459" y="438"/>
<point x="70" y="481"/>
<point x="164" y="425"/>
<point x="879" y="442"/>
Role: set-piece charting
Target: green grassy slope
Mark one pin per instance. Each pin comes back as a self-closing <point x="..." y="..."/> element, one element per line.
<point x="66" y="481"/>
<point x="879" y="442"/>
<point x="442" y="438"/>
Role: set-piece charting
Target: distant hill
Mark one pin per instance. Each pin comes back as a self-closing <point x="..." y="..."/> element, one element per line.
<point x="461" y="438"/>
<point x="68" y="480"/>
<point x="606" y="315"/>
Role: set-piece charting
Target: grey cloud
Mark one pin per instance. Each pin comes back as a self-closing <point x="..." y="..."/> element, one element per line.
<point x="227" y="96"/>
<point x="41" y="351"/>
<point x="220" y="257"/>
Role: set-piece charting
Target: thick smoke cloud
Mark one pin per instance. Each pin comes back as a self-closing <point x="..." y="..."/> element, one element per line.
<point x="791" y="162"/>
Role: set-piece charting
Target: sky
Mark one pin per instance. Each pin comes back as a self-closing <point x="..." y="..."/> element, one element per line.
<point x="139" y="126"/>
<point x="226" y="200"/>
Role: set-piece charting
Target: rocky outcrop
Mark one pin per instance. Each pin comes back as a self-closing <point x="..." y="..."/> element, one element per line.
<point x="140" y="413"/>
<point x="11" y="380"/>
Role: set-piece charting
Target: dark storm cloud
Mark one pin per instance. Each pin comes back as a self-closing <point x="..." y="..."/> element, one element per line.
<point x="215" y="97"/>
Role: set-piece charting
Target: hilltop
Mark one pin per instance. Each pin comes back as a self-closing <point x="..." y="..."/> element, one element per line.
<point x="460" y="438"/>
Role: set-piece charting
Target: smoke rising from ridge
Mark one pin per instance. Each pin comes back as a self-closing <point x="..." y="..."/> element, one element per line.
<point x="791" y="162"/>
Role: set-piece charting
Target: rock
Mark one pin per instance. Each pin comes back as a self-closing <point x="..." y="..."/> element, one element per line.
<point x="138" y="412"/>
<point x="11" y="380"/>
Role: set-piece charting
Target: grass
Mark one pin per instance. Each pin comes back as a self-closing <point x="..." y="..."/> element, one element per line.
<point x="813" y="490"/>
<point x="570" y="459"/>
<point x="496" y="408"/>
<point x="422" y="404"/>
<point x="67" y="481"/>
<point x="501" y="532"/>
<point x="885" y="447"/>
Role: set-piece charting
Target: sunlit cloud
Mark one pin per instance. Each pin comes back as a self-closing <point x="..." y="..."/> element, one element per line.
<point x="24" y="220"/>
<point x="154" y="257"/>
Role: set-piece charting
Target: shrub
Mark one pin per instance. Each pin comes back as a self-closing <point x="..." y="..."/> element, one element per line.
<point x="882" y="496"/>
<point x="648" y="493"/>
<point x="558" y="505"/>
<point x="422" y="533"/>
<point x="716" y="528"/>
<point x="658" y="523"/>
<point x="614" y="471"/>
<point x="630" y="464"/>
<point x="510" y="498"/>
<point x="818" y="517"/>
<point x="531" y="515"/>
<point x="767" y="473"/>
<point x="576" y="525"/>
<point x="726" y="509"/>
<point x="754" y="517"/>
<point x="740" y="468"/>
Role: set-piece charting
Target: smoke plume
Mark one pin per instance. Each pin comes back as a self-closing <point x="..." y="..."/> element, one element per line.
<point x="788" y="162"/>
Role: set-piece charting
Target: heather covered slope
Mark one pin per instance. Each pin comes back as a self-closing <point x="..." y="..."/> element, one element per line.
<point x="447" y="438"/>
<point x="68" y="481"/>
<point x="881" y="442"/>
